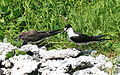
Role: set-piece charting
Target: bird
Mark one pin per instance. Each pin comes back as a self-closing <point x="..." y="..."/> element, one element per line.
<point x="36" y="36"/>
<point x="82" y="39"/>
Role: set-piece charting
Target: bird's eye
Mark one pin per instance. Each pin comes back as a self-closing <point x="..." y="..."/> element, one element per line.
<point x="20" y="36"/>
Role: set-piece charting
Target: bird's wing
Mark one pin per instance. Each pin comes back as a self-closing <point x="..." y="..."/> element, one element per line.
<point x="43" y="34"/>
<point x="81" y="38"/>
<point x="39" y="35"/>
<point x="34" y="36"/>
<point x="85" y="38"/>
<point x="32" y="33"/>
<point x="49" y="33"/>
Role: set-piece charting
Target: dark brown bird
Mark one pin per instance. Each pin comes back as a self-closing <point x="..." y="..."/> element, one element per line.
<point x="35" y="36"/>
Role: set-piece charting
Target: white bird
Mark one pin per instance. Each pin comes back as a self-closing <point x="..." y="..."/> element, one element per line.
<point x="82" y="39"/>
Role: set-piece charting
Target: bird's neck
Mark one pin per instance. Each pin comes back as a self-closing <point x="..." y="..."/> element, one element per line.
<point x="71" y="32"/>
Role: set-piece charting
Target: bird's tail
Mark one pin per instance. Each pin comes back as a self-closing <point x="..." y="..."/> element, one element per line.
<point x="102" y="39"/>
<point x="54" y="32"/>
<point x="99" y="36"/>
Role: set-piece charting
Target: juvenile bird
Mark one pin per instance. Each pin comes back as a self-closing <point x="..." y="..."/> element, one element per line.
<point x="35" y="36"/>
<point x="82" y="39"/>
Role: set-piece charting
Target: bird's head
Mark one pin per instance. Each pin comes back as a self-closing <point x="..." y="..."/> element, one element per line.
<point x="27" y="35"/>
<point x="67" y="27"/>
<point x="21" y="35"/>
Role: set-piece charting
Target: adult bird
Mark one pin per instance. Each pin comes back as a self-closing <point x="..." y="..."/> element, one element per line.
<point x="81" y="39"/>
<point x="35" y="36"/>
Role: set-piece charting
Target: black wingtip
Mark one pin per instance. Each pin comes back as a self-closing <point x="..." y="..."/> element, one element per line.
<point x="59" y="30"/>
<point x="99" y="36"/>
<point x="103" y="39"/>
<point x="54" y="32"/>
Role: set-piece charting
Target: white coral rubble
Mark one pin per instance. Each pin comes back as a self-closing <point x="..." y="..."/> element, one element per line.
<point x="52" y="62"/>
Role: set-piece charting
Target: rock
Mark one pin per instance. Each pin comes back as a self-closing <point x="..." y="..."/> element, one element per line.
<point x="117" y="66"/>
<point x="90" y="71"/>
<point x="88" y="52"/>
<point x="109" y="64"/>
<point x="52" y="62"/>
<point x="71" y="65"/>
<point x="101" y="60"/>
<point x="32" y="48"/>
<point x="47" y="72"/>
<point x="22" y="64"/>
<point x="54" y="54"/>
<point x="7" y="64"/>
<point x="1" y="71"/>
<point x="4" y="49"/>
<point x="117" y="70"/>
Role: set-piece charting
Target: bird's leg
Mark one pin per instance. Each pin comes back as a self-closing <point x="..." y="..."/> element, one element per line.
<point x="41" y="43"/>
<point x="29" y="43"/>
<point x="77" y="46"/>
<point x="24" y="43"/>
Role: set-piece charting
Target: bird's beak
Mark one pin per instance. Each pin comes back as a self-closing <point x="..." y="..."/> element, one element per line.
<point x="20" y="37"/>
<point x="64" y="30"/>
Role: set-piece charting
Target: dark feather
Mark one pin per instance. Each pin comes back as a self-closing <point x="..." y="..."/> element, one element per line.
<point x="99" y="36"/>
<point x="102" y="39"/>
<point x="82" y="38"/>
<point x="34" y="36"/>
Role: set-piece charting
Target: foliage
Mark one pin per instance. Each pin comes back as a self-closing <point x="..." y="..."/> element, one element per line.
<point x="9" y="55"/>
<point x="17" y="52"/>
<point x="92" y="17"/>
<point x="14" y="52"/>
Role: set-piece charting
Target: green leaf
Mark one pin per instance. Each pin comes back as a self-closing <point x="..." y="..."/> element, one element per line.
<point x="98" y="32"/>
<point x="4" y="9"/>
<point x="9" y="54"/>
<point x="116" y="45"/>
<point x="16" y="12"/>
<point x="109" y="44"/>
<point x="20" y="52"/>
<point x="117" y="50"/>
<point x="113" y="34"/>
<point x="1" y="35"/>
